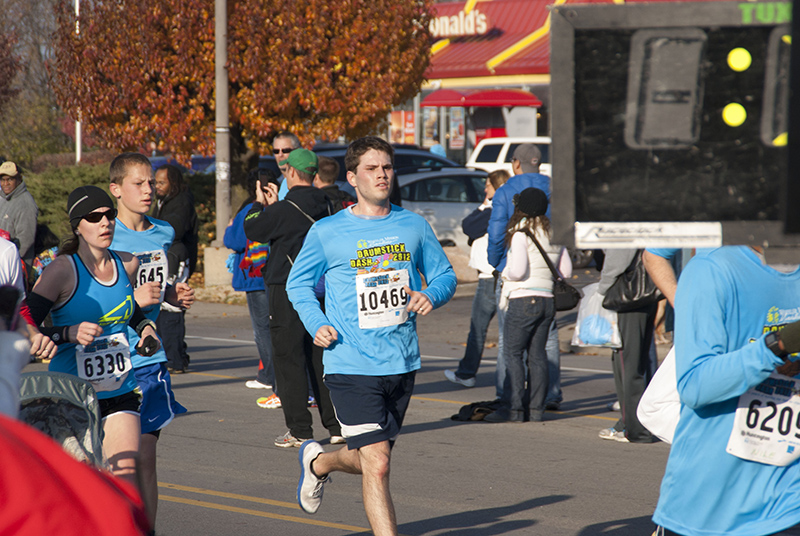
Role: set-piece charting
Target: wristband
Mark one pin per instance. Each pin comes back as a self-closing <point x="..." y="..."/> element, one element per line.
<point x="773" y="342"/>
<point x="143" y="324"/>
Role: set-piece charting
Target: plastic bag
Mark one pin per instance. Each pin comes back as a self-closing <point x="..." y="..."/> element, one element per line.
<point x="595" y="325"/>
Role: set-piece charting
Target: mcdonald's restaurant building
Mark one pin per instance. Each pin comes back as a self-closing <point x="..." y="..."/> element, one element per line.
<point x="489" y="76"/>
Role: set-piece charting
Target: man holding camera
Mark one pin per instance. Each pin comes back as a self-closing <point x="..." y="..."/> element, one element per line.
<point x="284" y="225"/>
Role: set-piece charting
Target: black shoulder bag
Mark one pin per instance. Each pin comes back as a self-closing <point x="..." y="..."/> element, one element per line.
<point x="565" y="296"/>
<point x="633" y="289"/>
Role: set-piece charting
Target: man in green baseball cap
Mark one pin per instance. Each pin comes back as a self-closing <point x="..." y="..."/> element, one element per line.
<point x="304" y="161"/>
<point x="284" y="225"/>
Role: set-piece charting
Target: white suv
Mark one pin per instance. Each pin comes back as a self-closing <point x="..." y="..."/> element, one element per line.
<point x="495" y="153"/>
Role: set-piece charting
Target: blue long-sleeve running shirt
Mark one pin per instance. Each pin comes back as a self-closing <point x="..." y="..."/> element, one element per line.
<point x="366" y="261"/>
<point x="726" y="302"/>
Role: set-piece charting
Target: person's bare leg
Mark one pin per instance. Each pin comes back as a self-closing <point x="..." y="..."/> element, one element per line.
<point x="372" y="462"/>
<point x="342" y="460"/>
<point x="375" y="483"/>
<point x="148" y="476"/>
<point x="121" y="444"/>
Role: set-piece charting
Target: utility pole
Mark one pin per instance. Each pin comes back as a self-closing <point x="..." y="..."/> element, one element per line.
<point x="223" y="187"/>
<point x="78" y="122"/>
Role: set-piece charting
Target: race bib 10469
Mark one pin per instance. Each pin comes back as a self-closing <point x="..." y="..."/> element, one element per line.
<point x="766" y="427"/>
<point x="106" y="362"/>
<point x="382" y="299"/>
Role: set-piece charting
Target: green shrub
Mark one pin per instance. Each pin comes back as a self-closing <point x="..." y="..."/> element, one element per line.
<point x="51" y="188"/>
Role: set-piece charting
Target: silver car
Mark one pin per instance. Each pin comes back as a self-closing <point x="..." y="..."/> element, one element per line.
<point x="444" y="197"/>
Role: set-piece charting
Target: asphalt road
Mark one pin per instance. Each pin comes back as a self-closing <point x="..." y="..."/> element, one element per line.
<point x="220" y="474"/>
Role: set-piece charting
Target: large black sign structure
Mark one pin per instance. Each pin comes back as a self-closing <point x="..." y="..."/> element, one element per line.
<point x="674" y="114"/>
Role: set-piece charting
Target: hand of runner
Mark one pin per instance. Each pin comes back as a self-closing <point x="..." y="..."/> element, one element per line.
<point x="326" y="336"/>
<point x="184" y="295"/>
<point x="417" y="302"/>
<point x="148" y="294"/>
<point x="84" y="333"/>
<point x="42" y="347"/>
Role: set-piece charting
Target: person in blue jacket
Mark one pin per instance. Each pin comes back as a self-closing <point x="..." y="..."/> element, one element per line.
<point x="248" y="263"/>
<point x="733" y="467"/>
<point x="371" y="254"/>
<point x="525" y="164"/>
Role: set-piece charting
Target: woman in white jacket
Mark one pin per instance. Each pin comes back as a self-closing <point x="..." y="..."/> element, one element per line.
<point x="528" y="292"/>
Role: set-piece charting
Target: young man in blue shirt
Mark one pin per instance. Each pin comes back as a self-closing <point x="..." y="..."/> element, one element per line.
<point x="131" y="183"/>
<point x="371" y="255"/>
<point x="733" y="467"/>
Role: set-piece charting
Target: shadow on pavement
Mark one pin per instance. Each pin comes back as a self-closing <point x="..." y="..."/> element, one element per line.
<point x="482" y="522"/>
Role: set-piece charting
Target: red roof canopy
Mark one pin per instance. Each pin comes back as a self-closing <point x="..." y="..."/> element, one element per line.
<point x="486" y="97"/>
<point x="509" y="23"/>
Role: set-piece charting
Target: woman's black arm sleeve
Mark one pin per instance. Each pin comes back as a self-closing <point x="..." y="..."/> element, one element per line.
<point x="40" y="308"/>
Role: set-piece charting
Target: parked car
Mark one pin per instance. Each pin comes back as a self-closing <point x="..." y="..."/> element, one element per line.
<point x="199" y="163"/>
<point x="264" y="162"/>
<point x="407" y="159"/>
<point x="495" y="153"/>
<point x="444" y="197"/>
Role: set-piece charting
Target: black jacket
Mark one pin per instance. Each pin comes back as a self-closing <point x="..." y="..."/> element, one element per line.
<point x="339" y="199"/>
<point x="476" y="224"/>
<point x="180" y="213"/>
<point x="284" y="227"/>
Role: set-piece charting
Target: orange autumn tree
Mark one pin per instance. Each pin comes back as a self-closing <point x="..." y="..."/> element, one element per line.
<point x="142" y="71"/>
<point x="9" y="65"/>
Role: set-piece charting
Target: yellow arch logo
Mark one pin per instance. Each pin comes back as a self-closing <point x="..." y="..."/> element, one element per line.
<point x="120" y="313"/>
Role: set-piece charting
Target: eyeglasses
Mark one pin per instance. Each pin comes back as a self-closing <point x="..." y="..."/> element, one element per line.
<point x="284" y="151"/>
<point x="95" y="217"/>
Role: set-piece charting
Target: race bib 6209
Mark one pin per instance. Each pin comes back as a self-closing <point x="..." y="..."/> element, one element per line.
<point x="766" y="427"/>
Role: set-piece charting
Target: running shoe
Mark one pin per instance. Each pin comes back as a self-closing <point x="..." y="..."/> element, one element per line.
<point x="613" y="435"/>
<point x="255" y="384"/>
<point x="269" y="402"/>
<point x="468" y="382"/>
<point x="288" y="440"/>
<point x="312" y="403"/>
<point x="310" y="487"/>
<point x="338" y="440"/>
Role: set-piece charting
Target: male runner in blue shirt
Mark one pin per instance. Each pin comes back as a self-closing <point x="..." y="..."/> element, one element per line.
<point x="371" y="255"/>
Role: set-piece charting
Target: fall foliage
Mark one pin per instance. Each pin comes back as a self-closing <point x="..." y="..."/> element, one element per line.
<point x="9" y="65"/>
<point x="142" y="71"/>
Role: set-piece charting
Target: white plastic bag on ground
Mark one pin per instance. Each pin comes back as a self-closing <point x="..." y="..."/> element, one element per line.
<point x="595" y="325"/>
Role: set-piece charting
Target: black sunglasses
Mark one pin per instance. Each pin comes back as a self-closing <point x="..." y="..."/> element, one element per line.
<point x="284" y="151"/>
<point x="95" y="217"/>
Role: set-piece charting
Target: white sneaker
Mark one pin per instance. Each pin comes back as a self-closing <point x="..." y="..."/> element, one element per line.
<point x="613" y="435"/>
<point x="613" y="406"/>
<point x="309" y="489"/>
<point x="451" y="375"/>
<point x="255" y="384"/>
<point x="338" y="440"/>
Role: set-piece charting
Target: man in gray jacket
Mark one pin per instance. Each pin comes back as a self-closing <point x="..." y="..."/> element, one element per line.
<point x="18" y="211"/>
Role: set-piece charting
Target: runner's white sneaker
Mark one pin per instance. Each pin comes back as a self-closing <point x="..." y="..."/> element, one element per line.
<point x="309" y="489"/>
<point x="451" y="375"/>
<point x="255" y="384"/>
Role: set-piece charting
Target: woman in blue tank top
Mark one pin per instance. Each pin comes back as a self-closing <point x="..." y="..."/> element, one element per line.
<point x="88" y="292"/>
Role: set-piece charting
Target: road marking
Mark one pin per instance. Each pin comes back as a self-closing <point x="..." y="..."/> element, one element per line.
<point x="431" y="357"/>
<point x="235" y="341"/>
<point x="257" y="513"/>
<point x="226" y="495"/>
<point x="248" y="511"/>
